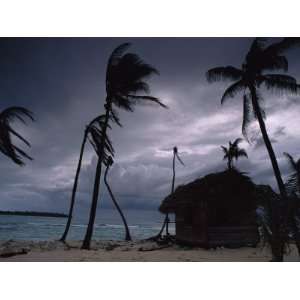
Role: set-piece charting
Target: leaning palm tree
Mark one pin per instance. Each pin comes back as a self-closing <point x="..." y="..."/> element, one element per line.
<point x="7" y="147"/>
<point x="293" y="188"/>
<point x="233" y="152"/>
<point x="98" y="121"/>
<point x="166" y="221"/>
<point x="248" y="80"/>
<point x="108" y="165"/>
<point x="125" y="87"/>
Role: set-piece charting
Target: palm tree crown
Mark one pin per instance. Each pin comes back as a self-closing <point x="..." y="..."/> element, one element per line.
<point x="259" y="59"/>
<point x="125" y="79"/>
<point x="7" y="147"/>
<point x="233" y="152"/>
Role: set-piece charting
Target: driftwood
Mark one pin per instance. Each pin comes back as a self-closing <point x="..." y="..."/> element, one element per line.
<point x="153" y="248"/>
<point x="13" y="253"/>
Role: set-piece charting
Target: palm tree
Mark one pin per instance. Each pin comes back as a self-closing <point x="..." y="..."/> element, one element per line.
<point x="109" y="164"/>
<point x="233" y="152"/>
<point x="7" y="147"/>
<point x="293" y="188"/>
<point x="125" y="80"/>
<point x="249" y="79"/>
<point x="97" y="121"/>
<point x="166" y="221"/>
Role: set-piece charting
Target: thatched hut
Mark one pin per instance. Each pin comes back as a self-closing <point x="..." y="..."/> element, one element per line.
<point x="216" y="210"/>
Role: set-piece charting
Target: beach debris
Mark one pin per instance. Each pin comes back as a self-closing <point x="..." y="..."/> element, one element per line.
<point x="153" y="248"/>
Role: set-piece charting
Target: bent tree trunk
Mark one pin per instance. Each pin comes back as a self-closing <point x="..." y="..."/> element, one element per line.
<point x="89" y="232"/>
<point x="127" y="236"/>
<point x="64" y="236"/>
<point x="279" y="234"/>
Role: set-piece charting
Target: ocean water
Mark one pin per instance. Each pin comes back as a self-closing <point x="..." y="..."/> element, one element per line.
<point x="108" y="226"/>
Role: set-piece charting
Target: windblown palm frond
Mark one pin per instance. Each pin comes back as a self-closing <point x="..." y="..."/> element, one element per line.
<point x="225" y="151"/>
<point x="237" y="142"/>
<point x="281" y="46"/>
<point x="6" y="132"/>
<point x="281" y="83"/>
<point x="248" y="115"/>
<point x="240" y="153"/>
<point x="175" y="150"/>
<point x="223" y="73"/>
<point x="96" y="138"/>
<point x="125" y="79"/>
<point x="231" y="91"/>
<point x="293" y="182"/>
<point x="292" y="162"/>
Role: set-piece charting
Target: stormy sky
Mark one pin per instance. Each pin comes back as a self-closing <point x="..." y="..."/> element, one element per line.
<point x="62" y="82"/>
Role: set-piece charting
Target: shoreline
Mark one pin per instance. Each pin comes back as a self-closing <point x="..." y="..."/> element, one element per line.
<point x="134" y="251"/>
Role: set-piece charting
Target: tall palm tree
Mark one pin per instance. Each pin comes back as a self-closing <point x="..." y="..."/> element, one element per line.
<point x="233" y="152"/>
<point x="97" y="121"/>
<point x="7" y="147"/>
<point x="293" y="188"/>
<point x="248" y="80"/>
<point x="127" y="232"/>
<point x="166" y="221"/>
<point x="125" y="87"/>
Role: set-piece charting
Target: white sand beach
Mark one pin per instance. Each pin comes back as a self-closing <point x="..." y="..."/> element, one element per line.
<point x="137" y="251"/>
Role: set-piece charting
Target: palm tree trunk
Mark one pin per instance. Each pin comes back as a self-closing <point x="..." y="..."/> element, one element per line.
<point x="172" y="191"/>
<point x="89" y="232"/>
<point x="64" y="236"/>
<point x="166" y="220"/>
<point x="279" y="235"/>
<point x="127" y="236"/>
<point x="229" y="164"/>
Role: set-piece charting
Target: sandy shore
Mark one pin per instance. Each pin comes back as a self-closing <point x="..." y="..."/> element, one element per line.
<point x="46" y="251"/>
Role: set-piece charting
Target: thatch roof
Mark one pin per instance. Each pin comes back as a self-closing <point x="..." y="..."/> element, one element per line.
<point x="228" y="189"/>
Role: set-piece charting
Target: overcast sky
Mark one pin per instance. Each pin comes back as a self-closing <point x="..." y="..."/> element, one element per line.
<point x="62" y="82"/>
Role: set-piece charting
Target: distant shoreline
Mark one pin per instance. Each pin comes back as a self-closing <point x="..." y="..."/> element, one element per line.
<point x="33" y="213"/>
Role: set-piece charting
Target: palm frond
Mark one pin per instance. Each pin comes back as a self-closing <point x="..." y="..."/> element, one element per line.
<point x="248" y="115"/>
<point x="291" y="161"/>
<point x="100" y="140"/>
<point x="279" y="47"/>
<point x="179" y="159"/>
<point x="237" y="142"/>
<point x="126" y="79"/>
<point x="233" y="90"/>
<point x="6" y="145"/>
<point x="225" y="151"/>
<point x="240" y="153"/>
<point x="223" y="73"/>
<point x="115" y="117"/>
<point x="281" y="83"/>
<point x="16" y="112"/>
<point x="138" y="99"/>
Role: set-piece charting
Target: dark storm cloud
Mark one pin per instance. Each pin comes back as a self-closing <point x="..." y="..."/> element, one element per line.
<point x="62" y="82"/>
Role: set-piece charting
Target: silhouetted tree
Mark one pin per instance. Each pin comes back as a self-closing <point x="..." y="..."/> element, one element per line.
<point x="127" y="232"/>
<point x="248" y="80"/>
<point x="166" y="220"/>
<point x="97" y="121"/>
<point x="7" y="147"/>
<point x="293" y="188"/>
<point x="233" y="152"/>
<point x="125" y="80"/>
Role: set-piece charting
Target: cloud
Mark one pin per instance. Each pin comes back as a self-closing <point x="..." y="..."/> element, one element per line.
<point x="62" y="81"/>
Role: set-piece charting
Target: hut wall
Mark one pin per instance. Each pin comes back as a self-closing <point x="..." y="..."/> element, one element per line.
<point x="191" y="226"/>
<point x="232" y="236"/>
